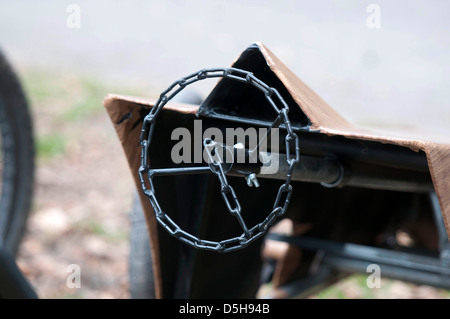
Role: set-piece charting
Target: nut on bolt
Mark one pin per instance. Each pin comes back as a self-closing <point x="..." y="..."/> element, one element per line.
<point x="252" y="180"/>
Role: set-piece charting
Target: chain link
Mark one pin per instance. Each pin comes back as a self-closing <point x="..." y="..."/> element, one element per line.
<point x="229" y="196"/>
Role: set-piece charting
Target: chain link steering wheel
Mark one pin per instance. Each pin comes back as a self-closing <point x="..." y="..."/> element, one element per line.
<point x="216" y="163"/>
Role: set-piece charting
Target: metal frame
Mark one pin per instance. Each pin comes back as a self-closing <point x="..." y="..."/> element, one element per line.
<point x="420" y="267"/>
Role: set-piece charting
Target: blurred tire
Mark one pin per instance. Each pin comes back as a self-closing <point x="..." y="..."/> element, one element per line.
<point x="140" y="263"/>
<point x="17" y="156"/>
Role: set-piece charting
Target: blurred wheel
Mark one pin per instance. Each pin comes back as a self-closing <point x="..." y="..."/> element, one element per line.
<point x="140" y="264"/>
<point x="16" y="159"/>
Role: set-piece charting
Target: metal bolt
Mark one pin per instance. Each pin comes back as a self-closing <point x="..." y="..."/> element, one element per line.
<point x="252" y="180"/>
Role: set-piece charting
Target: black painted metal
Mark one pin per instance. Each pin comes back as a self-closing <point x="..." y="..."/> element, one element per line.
<point x="415" y="267"/>
<point x="331" y="172"/>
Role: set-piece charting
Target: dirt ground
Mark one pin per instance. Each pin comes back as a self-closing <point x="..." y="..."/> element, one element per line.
<point x="83" y="195"/>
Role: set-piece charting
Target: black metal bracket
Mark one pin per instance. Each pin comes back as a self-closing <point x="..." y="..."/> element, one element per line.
<point x="408" y="265"/>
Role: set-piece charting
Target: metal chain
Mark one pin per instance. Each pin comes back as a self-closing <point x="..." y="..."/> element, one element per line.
<point x="229" y="196"/>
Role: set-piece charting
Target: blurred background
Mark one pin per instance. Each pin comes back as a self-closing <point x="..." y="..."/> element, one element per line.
<point x="378" y="63"/>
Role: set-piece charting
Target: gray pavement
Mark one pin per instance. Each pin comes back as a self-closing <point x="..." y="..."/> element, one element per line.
<point x="396" y="75"/>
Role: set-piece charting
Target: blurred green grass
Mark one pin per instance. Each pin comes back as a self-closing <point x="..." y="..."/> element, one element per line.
<point x="50" y="145"/>
<point x="94" y="227"/>
<point x="359" y="284"/>
<point x="355" y="287"/>
<point x="60" y="100"/>
<point x="87" y="103"/>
